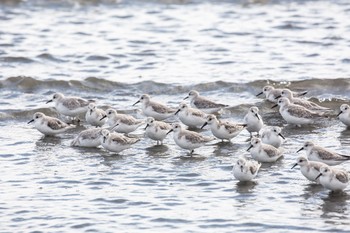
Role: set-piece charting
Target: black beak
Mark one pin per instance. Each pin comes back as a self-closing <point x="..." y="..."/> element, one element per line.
<point x="186" y="98"/>
<point x="90" y="111"/>
<point x="114" y="126"/>
<point x="204" y="125"/>
<point x="136" y="103"/>
<point x="339" y="113"/>
<point x="300" y="149"/>
<point x="274" y="106"/>
<point x="257" y="116"/>
<point x="260" y="93"/>
<point x="177" y="112"/>
<point x="318" y="176"/>
<point x="250" y="147"/>
<point x="294" y="166"/>
<point x="49" y="101"/>
<point x="32" y="120"/>
<point x="241" y="168"/>
<point x="277" y="97"/>
<point x="281" y="136"/>
<point x="104" y="139"/>
<point x="146" y="126"/>
<point x="103" y="117"/>
<point x="169" y="131"/>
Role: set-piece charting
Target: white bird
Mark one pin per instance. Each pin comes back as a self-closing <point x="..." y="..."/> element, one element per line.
<point x="157" y="130"/>
<point x="302" y="102"/>
<point x="70" y="106"/>
<point x="188" y="140"/>
<point x="94" y="115"/>
<point x="272" y="136"/>
<point x="192" y="117"/>
<point x="116" y="142"/>
<point x="272" y="93"/>
<point x="88" y="138"/>
<point x="310" y="169"/>
<point x="253" y="120"/>
<point x="344" y="114"/>
<point x="333" y="179"/>
<point x="263" y="152"/>
<point x="223" y="129"/>
<point x="296" y="114"/>
<point x="154" y="109"/>
<point x="245" y="170"/>
<point x="204" y="104"/>
<point x="122" y="123"/>
<point x="49" y="125"/>
<point x="320" y="154"/>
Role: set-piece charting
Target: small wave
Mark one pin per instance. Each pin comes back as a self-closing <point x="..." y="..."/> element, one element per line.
<point x="16" y="60"/>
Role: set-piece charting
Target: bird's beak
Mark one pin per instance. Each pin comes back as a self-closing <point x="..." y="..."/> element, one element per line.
<point x="250" y="147"/>
<point x="104" y="139"/>
<point x="49" y="101"/>
<point x="260" y="93"/>
<point x="32" y="120"/>
<point x="205" y="123"/>
<point x="114" y="126"/>
<point x="177" y="112"/>
<point x="300" y="149"/>
<point x="339" y="113"/>
<point x="281" y="136"/>
<point x="318" y="176"/>
<point x="186" y="97"/>
<point x="90" y="111"/>
<point x="294" y="166"/>
<point x="277" y="97"/>
<point x="169" y="131"/>
<point x="241" y="168"/>
<point x="146" y="126"/>
<point x="103" y="117"/>
<point x="257" y="116"/>
<point x="274" y="106"/>
<point x="136" y="103"/>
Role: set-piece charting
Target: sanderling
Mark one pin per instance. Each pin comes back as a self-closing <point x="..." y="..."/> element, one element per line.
<point x="88" y="138"/>
<point x="93" y="115"/>
<point x="116" y="142"/>
<point x="122" y="123"/>
<point x="253" y="120"/>
<point x="333" y="179"/>
<point x="223" y="129"/>
<point x="188" y="139"/>
<point x="271" y="93"/>
<point x="48" y="125"/>
<point x="344" y="114"/>
<point x="204" y="104"/>
<point x="156" y="130"/>
<point x="296" y="114"/>
<point x="272" y="135"/>
<point x="264" y="152"/>
<point x="245" y="170"/>
<point x="154" y="109"/>
<point x="305" y="103"/>
<point x="310" y="169"/>
<point x="70" y="106"/>
<point x="320" y="154"/>
<point x="192" y="117"/>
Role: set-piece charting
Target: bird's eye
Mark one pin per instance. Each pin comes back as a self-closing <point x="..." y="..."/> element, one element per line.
<point x="300" y="161"/>
<point x="275" y="131"/>
<point x="346" y="108"/>
<point x="183" y="106"/>
<point x="142" y="98"/>
<point x="252" y="111"/>
<point x="37" y="117"/>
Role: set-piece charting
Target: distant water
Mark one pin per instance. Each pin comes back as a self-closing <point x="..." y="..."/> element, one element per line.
<point x="114" y="51"/>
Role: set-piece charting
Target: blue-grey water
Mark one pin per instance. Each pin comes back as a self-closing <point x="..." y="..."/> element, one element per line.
<point x="114" y="51"/>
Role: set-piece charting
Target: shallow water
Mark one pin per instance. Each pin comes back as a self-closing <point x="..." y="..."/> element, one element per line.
<point x="114" y="52"/>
